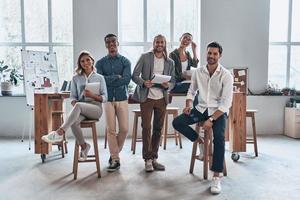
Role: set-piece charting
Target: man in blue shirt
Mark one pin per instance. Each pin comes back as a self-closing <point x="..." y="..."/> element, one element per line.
<point x="117" y="73"/>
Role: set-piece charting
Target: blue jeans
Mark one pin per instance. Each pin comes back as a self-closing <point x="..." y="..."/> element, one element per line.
<point x="181" y="87"/>
<point x="182" y="122"/>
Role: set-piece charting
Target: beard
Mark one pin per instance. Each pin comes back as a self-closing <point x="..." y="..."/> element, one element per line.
<point x="211" y="61"/>
<point x="159" y="49"/>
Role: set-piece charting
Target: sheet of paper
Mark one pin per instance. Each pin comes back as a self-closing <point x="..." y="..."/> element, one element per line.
<point x="186" y="81"/>
<point x="159" y="78"/>
<point x="242" y="73"/>
<point x="93" y="87"/>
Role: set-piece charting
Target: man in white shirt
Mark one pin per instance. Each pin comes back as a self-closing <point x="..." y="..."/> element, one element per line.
<point x="215" y="86"/>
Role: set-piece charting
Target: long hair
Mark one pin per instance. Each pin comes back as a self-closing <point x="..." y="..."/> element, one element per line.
<point x="79" y="70"/>
<point x="165" y="53"/>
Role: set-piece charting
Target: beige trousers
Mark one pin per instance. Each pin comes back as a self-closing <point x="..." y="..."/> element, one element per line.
<point x="116" y="110"/>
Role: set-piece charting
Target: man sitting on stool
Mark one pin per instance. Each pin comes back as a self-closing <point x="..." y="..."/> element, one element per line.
<point x="215" y="86"/>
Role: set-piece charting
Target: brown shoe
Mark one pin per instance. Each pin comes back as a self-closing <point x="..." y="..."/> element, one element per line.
<point x="157" y="166"/>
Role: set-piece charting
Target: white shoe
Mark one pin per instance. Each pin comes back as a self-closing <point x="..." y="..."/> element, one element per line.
<point x="149" y="165"/>
<point x="215" y="187"/>
<point x="52" y="137"/>
<point x="84" y="153"/>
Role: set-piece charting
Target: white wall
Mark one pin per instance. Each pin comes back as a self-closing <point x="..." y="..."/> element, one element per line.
<point x="241" y="26"/>
<point x="92" y="20"/>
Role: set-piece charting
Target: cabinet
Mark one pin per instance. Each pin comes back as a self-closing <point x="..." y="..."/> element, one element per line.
<point x="292" y="122"/>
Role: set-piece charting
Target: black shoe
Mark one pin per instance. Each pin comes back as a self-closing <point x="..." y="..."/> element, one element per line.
<point x="110" y="160"/>
<point x="114" y="166"/>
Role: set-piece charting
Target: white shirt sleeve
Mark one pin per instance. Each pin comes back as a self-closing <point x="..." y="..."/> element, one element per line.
<point x="193" y="87"/>
<point x="227" y="93"/>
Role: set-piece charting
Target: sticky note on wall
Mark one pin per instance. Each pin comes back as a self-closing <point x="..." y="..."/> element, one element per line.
<point x="242" y="73"/>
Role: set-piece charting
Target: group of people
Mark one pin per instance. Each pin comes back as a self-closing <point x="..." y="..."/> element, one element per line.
<point x="210" y="86"/>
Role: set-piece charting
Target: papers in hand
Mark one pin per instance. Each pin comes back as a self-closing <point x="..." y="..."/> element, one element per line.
<point x="159" y="78"/>
<point x="94" y="88"/>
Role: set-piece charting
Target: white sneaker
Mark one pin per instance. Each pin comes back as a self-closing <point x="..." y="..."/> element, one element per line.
<point x="215" y="187"/>
<point x="52" y="137"/>
<point x="84" y="153"/>
<point x="149" y="165"/>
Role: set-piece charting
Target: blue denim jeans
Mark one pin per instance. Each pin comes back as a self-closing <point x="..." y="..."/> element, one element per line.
<point x="182" y="122"/>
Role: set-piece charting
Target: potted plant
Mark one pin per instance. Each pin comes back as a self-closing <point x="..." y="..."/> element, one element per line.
<point x="285" y="91"/>
<point x="9" y="77"/>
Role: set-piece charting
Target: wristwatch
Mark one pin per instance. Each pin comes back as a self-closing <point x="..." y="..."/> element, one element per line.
<point x="211" y="119"/>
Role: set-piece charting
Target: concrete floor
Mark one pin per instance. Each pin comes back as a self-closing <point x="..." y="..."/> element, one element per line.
<point x="272" y="175"/>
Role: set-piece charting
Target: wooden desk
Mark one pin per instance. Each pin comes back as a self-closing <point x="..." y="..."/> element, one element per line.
<point x="44" y="105"/>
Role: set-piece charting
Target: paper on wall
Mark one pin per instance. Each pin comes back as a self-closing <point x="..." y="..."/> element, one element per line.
<point x="242" y="73"/>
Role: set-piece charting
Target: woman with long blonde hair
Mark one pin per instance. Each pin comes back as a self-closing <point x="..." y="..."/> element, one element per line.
<point x="86" y="104"/>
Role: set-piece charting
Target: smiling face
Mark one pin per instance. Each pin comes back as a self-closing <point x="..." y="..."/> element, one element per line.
<point x="86" y="63"/>
<point x="111" y="44"/>
<point x="185" y="40"/>
<point x="213" y="55"/>
<point x="159" y="44"/>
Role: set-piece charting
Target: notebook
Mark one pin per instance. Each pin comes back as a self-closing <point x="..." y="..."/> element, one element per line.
<point x="94" y="88"/>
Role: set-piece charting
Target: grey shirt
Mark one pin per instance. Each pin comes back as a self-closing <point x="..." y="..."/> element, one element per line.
<point x="78" y="86"/>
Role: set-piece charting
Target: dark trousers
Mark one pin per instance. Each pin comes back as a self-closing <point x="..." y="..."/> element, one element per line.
<point x="181" y="87"/>
<point x="151" y="144"/>
<point x="182" y="122"/>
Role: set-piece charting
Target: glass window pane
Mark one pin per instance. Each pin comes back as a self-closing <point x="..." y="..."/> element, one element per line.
<point x="277" y="65"/>
<point x="132" y="53"/>
<point x="295" y="67"/>
<point x="296" y="21"/>
<point x="64" y="56"/>
<point x="62" y="21"/>
<point x="12" y="58"/>
<point x="131" y="20"/>
<point x="186" y="18"/>
<point x="10" y="21"/>
<point x="279" y="20"/>
<point x="158" y="19"/>
<point x="36" y="20"/>
<point x="38" y="48"/>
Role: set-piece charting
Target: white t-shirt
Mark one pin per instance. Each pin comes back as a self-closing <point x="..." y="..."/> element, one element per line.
<point x="184" y="65"/>
<point x="154" y="92"/>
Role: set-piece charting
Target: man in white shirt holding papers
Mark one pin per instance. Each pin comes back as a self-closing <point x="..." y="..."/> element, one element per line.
<point x="152" y="93"/>
<point x="215" y="86"/>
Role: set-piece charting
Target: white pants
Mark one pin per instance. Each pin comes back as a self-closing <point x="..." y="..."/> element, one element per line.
<point x="80" y="112"/>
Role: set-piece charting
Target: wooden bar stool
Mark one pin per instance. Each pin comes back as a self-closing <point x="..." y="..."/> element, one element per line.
<point x="208" y="152"/>
<point x="170" y="111"/>
<point x="57" y="121"/>
<point x="87" y="124"/>
<point x="135" y="138"/>
<point x="253" y="140"/>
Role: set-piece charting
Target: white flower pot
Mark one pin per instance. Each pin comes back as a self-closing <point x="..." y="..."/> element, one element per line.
<point x="6" y="88"/>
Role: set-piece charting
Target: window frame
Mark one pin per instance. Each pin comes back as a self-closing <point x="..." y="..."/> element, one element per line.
<point x="172" y="43"/>
<point x="50" y="44"/>
<point x="288" y="44"/>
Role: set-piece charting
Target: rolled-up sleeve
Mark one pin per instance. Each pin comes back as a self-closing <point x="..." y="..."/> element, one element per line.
<point x="103" y="89"/>
<point x="193" y="87"/>
<point x="227" y="93"/>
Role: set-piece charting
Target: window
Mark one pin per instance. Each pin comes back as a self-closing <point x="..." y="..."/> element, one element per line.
<point x="40" y="25"/>
<point x="284" y="48"/>
<point x="141" y="20"/>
